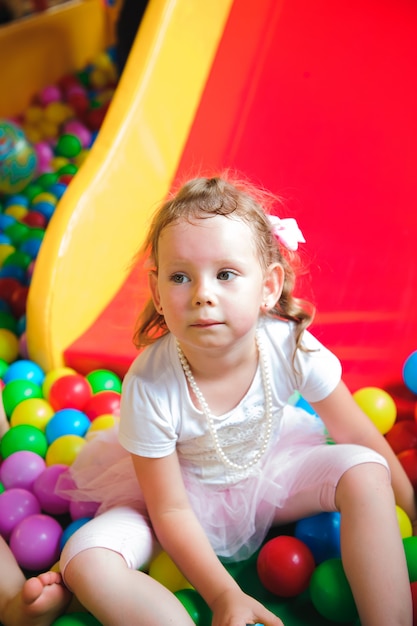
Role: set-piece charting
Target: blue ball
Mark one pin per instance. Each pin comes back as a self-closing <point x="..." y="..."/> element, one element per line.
<point x="24" y="370"/>
<point x="71" y="528"/>
<point x="410" y="372"/>
<point x="67" y="422"/>
<point x="321" y="533"/>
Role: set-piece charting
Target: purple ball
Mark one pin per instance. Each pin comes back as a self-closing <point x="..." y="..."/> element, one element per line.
<point x="21" y="469"/>
<point x="44" y="490"/>
<point x="79" y="509"/>
<point x="15" y="506"/>
<point x="35" y="542"/>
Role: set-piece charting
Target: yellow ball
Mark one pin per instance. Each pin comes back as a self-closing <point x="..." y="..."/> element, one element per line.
<point x="58" y="162"/>
<point x="64" y="450"/>
<point x="103" y="422"/>
<point x="6" y="249"/>
<point x="44" y="196"/>
<point x="52" y="376"/>
<point x="164" y="570"/>
<point x="33" y="411"/>
<point x="9" y="345"/>
<point x="404" y="522"/>
<point x="378" y="406"/>
<point x="17" y="211"/>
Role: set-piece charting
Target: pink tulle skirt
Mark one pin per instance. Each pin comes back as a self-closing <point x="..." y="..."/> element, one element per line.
<point x="235" y="518"/>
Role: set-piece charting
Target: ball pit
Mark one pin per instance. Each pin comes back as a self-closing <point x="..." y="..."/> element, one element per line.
<point x="62" y="124"/>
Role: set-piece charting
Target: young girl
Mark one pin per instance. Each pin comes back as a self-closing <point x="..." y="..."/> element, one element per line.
<point x="218" y="453"/>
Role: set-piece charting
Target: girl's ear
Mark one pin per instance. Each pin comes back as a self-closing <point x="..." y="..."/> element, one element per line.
<point x="273" y="284"/>
<point x="153" y="286"/>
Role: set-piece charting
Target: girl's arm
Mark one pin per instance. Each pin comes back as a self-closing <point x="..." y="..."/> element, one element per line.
<point x="183" y="538"/>
<point x="347" y="423"/>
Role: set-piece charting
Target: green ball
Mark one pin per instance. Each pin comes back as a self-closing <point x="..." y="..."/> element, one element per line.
<point x="69" y="168"/>
<point x="7" y="320"/>
<point x="68" y="146"/>
<point x="20" y="259"/>
<point x="104" y="380"/>
<point x="23" y="437"/>
<point x="17" y="232"/>
<point x="2" y="488"/>
<point x="195" y="606"/>
<point x="18" y="390"/>
<point x="410" y="548"/>
<point x="331" y="594"/>
<point x="76" y="619"/>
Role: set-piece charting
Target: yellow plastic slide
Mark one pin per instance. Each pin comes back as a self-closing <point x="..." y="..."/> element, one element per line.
<point x="99" y="224"/>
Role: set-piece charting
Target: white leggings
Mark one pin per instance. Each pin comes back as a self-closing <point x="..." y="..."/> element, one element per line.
<point x="316" y="476"/>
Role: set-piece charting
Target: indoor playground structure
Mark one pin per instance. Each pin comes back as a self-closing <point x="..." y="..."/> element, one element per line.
<point x="314" y="101"/>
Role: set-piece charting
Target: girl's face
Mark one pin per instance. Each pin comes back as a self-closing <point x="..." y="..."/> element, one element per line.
<point x="210" y="285"/>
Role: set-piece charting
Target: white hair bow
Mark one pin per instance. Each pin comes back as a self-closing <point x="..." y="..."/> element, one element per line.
<point x="286" y="231"/>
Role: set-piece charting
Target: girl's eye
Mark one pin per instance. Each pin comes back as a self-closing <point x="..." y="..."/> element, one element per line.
<point x="179" y="279"/>
<point x="226" y="275"/>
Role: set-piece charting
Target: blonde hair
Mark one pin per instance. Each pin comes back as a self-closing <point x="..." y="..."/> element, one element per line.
<point x="202" y="198"/>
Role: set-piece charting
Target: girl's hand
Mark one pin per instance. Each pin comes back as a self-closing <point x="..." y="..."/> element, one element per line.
<point x="235" y="608"/>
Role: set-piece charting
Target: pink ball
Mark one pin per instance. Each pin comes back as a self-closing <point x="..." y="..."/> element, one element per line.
<point x="16" y="505"/>
<point x="44" y="490"/>
<point x="35" y="542"/>
<point x="44" y="153"/>
<point x="21" y="469"/>
<point x="78" y="509"/>
<point x="49" y="94"/>
<point x="74" y="127"/>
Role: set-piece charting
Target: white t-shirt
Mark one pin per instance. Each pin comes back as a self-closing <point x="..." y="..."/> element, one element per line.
<point x="158" y="415"/>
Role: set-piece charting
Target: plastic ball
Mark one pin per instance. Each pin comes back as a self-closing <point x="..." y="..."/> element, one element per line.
<point x="104" y="380"/>
<point x="404" y="522"/>
<point x="378" y="406"/>
<point x="79" y="509"/>
<point x="24" y="369"/>
<point x="68" y="146"/>
<point x="21" y="469"/>
<point x="410" y="372"/>
<point x="163" y="569"/>
<point x="402" y="436"/>
<point x="414" y="600"/>
<point x="103" y="422"/>
<point x="9" y="345"/>
<point x="18" y="159"/>
<point x="71" y="391"/>
<point x="35" y="542"/>
<point x="195" y="606"/>
<point x="77" y="619"/>
<point x="408" y="459"/>
<point x="410" y="549"/>
<point x="103" y="403"/>
<point x="72" y="528"/>
<point x="331" y="594"/>
<point x="67" y="422"/>
<point x="44" y="490"/>
<point x="285" y="565"/>
<point x="17" y="391"/>
<point x="321" y="533"/>
<point x="52" y="376"/>
<point x="16" y="505"/>
<point x="23" y="437"/>
<point x="64" y="450"/>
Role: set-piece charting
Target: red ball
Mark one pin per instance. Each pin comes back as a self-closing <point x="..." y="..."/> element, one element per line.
<point x="103" y="403"/>
<point x="402" y="436"/>
<point x="408" y="459"/>
<point x="70" y="392"/>
<point x="414" y="597"/>
<point x="285" y="565"/>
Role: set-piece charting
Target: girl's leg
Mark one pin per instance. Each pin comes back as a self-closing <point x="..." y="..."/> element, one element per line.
<point x="372" y="550"/>
<point x="34" y="602"/>
<point x="100" y="564"/>
<point x="117" y="595"/>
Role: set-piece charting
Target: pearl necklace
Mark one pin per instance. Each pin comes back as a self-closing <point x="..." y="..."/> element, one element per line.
<point x="266" y="383"/>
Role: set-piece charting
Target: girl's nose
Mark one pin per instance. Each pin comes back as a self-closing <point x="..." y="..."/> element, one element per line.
<point x="203" y="295"/>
